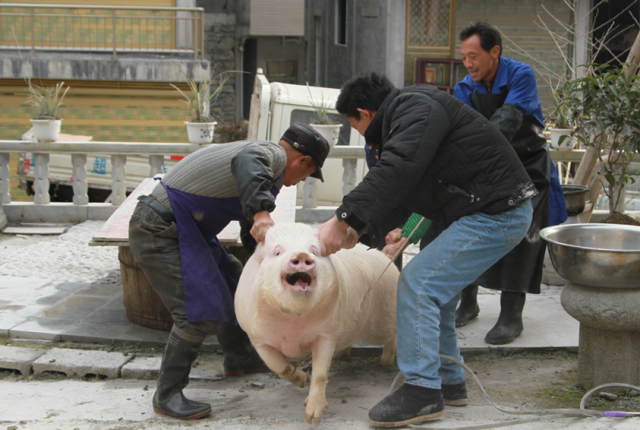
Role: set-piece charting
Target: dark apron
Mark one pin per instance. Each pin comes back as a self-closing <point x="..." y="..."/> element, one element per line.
<point x="206" y="268"/>
<point x="521" y="269"/>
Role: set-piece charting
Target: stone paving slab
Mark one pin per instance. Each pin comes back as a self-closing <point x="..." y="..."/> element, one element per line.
<point x="208" y="367"/>
<point x="142" y="367"/>
<point x="147" y="366"/>
<point x="20" y="359"/>
<point x="76" y="362"/>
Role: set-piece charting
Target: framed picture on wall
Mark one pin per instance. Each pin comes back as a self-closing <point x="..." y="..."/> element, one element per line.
<point x="429" y="75"/>
<point x="443" y="73"/>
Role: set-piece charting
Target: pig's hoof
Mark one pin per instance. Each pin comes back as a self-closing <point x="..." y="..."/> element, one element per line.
<point x="314" y="410"/>
<point x="295" y="375"/>
<point x="299" y="378"/>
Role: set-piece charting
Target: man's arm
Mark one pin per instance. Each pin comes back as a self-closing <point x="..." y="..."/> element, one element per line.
<point x="252" y="171"/>
<point x="521" y="101"/>
<point x="254" y="178"/>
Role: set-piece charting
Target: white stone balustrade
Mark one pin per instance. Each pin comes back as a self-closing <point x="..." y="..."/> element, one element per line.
<point x="80" y="184"/>
<point x="41" y="179"/>
<point x="79" y="152"/>
<point x="118" y="151"/>
<point x="5" y="197"/>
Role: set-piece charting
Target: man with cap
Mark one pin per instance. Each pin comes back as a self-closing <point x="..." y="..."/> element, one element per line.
<point x="172" y="235"/>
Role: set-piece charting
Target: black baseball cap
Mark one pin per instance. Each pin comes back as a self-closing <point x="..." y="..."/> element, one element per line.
<point x="308" y="141"/>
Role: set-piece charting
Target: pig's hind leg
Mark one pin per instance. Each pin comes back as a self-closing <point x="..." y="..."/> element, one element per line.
<point x="276" y="362"/>
<point x="389" y="351"/>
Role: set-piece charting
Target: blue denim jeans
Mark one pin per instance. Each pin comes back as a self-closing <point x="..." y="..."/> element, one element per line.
<point x="429" y="290"/>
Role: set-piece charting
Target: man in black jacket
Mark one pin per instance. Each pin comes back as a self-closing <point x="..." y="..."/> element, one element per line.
<point x="443" y="160"/>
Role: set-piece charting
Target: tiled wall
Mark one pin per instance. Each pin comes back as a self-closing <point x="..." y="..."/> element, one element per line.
<point x="121" y="115"/>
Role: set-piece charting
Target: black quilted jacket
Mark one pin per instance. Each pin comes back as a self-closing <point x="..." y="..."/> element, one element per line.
<point x="438" y="158"/>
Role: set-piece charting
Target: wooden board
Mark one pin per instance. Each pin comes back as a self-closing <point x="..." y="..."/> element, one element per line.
<point x="35" y="230"/>
<point x="115" y="231"/>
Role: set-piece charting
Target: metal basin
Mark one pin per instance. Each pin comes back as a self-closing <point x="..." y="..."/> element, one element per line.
<point x="575" y="197"/>
<point x="598" y="255"/>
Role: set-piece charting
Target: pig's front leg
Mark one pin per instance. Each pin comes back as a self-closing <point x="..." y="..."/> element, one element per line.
<point x="321" y="352"/>
<point x="276" y="362"/>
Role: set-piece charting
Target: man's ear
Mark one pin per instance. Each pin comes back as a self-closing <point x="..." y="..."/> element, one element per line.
<point x="307" y="159"/>
<point x="366" y="113"/>
<point x="495" y="51"/>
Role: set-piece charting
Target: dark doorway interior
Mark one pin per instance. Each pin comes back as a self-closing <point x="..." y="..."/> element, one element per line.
<point x="625" y="30"/>
<point x="250" y="62"/>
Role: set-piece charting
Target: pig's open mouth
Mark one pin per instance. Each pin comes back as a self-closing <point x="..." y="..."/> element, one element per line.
<point x="299" y="281"/>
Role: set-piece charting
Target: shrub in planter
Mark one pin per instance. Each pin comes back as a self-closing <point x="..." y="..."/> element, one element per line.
<point x="606" y="113"/>
<point x="198" y="99"/>
<point x="45" y="102"/>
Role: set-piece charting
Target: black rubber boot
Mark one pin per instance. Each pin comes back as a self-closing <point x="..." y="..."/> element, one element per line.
<point x="455" y="395"/>
<point x="410" y="404"/>
<point x="179" y="355"/>
<point x="468" y="308"/>
<point x="240" y="356"/>
<point x="509" y="325"/>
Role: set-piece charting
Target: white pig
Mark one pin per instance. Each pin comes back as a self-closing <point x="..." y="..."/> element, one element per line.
<point x="292" y="302"/>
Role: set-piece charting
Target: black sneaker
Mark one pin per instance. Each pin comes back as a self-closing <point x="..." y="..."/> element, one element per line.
<point x="455" y="395"/>
<point x="410" y="404"/>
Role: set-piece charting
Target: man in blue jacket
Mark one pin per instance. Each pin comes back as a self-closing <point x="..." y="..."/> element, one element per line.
<point x="504" y="91"/>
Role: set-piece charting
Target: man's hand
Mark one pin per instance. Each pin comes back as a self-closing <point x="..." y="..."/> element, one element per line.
<point x="394" y="241"/>
<point x="393" y="236"/>
<point x="261" y="223"/>
<point x="391" y="249"/>
<point x="333" y="236"/>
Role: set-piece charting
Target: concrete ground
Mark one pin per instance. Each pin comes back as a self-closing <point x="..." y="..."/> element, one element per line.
<point x="76" y="361"/>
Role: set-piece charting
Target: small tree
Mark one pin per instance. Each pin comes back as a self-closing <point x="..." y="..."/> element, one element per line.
<point x="606" y="113"/>
<point x="201" y="94"/>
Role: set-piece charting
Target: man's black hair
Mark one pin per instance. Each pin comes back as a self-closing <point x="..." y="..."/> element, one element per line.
<point x="489" y="36"/>
<point x="363" y="92"/>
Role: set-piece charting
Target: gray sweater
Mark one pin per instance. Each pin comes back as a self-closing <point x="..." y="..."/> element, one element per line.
<point x="245" y="169"/>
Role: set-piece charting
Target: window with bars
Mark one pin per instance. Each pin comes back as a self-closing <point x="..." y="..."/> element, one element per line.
<point x="341" y="22"/>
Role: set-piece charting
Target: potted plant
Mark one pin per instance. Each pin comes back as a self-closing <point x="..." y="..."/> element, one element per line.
<point x="198" y="99"/>
<point x="607" y="117"/>
<point x="561" y="131"/>
<point x="329" y="129"/>
<point x="45" y="102"/>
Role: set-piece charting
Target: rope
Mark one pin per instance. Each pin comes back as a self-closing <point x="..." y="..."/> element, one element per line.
<point x="543" y="414"/>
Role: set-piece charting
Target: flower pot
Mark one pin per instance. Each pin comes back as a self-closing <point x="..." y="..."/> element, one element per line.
<point x="556" y="134"/>
<point x="200" y="132"/>
<point x="46" y="130"/>
<point x="331" y="132"/>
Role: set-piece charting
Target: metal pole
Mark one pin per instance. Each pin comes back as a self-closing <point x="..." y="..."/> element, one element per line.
<point x="33" y="33"/>
<point x="114" y="34"/>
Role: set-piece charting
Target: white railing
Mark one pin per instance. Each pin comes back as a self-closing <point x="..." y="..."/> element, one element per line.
<point x="119" y="152"/>
<point x="156" y="153"/>
<point x="112" y="29"/>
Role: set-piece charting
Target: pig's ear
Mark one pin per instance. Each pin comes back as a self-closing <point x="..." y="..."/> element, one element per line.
<point x="258" y="254"/>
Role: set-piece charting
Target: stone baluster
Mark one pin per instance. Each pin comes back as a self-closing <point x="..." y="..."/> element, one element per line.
<point x="5" y="196"/>
<point x="349" y="175"/>
<point x="80" y="184"/>
<point x="310" y="193"/>
<point x="41" y="179"/>
<point x="155" y="164"/>
<point x="118" y="179"/>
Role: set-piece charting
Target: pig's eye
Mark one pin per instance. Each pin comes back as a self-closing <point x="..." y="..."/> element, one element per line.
<point x="314" y="250"/>
<point x="277" y="251"/>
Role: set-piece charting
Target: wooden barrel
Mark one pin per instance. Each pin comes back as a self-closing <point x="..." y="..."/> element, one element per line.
<point x="144" y="307"/>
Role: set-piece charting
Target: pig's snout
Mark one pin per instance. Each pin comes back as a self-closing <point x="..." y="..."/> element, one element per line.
<point x="302" y="262"/>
